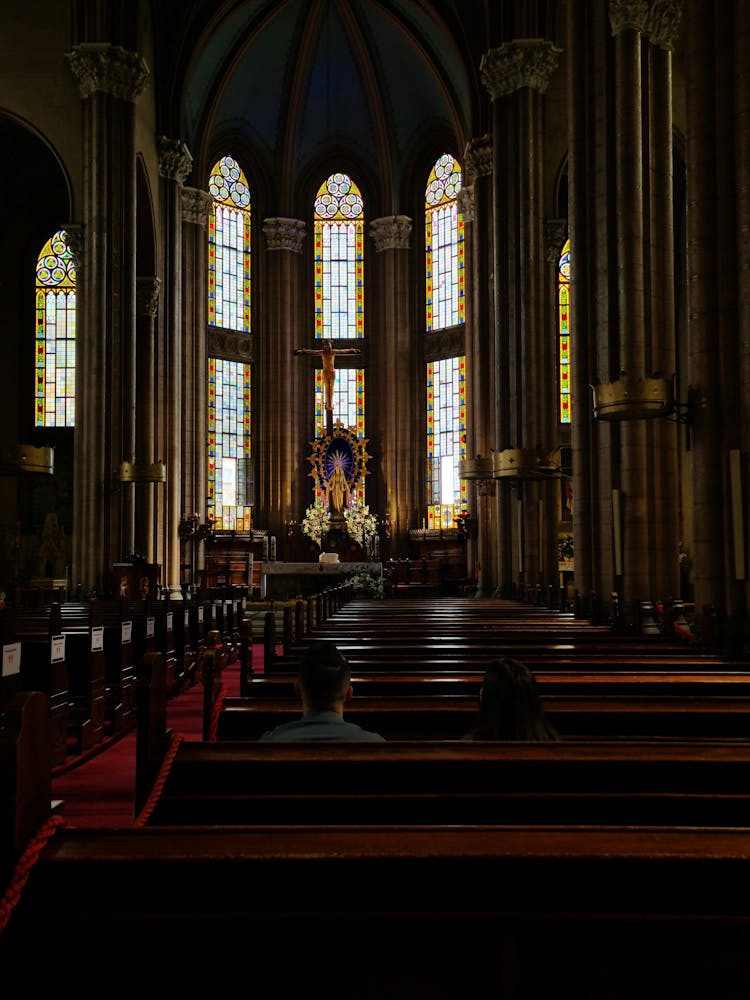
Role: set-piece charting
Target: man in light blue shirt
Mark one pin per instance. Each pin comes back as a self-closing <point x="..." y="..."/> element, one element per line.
<point x="324" y="685"/>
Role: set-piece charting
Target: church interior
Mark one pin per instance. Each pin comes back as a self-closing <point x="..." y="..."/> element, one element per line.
<point x="543" y="276"/>
<point x="450" y="297"/>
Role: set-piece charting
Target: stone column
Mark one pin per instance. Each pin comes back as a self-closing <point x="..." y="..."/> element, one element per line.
<point x="517" y="76"/>
<point x="110" y="80"/>
<point x="196" y="208"/>
<point x="175" y="163"/>
<point x="147" y="304"/>
<point x="718" y="214"/>
<point x="393" y="407"/>
<point x="475" y="204"/>
<point x="285" y="417"/>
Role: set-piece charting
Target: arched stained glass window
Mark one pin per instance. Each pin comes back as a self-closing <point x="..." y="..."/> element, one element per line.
<point x="55" y="374"/>
<point x="444" y="246"/>
<point x="339" y="226"/>
<point x="446" y="440"/>
<point x="563" y="307"/>
<point x="339" y="259"/>
<point x="229" y="247"/>
<point x="230" y="478"/>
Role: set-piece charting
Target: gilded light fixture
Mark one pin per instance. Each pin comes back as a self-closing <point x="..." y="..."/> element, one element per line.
<point x="23" y="459"/>
<point x="143" y="472"/>
<point x="634" y="398"/>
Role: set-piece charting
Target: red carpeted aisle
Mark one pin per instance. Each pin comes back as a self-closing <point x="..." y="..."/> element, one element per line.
<point x="99" y="789"/>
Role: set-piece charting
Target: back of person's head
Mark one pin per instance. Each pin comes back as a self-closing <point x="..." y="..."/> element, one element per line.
<point x="509" y="705"/>
<point x="324" y="675"/>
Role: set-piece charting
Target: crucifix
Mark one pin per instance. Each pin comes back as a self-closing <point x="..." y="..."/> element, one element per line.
<point x="327" y="354"/>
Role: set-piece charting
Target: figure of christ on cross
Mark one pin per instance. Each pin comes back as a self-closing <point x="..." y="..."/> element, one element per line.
<point x="327" y="354"/>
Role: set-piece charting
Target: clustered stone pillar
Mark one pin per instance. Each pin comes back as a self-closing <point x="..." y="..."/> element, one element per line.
<point x="147" y="303"/>
<point x="283" y="487"/>
<point x="175" y="163"/>
<point x="196" y="208"/>
<point x="517" y="76"/>
<point x="395" y="403"/>
<point x="718" y="243"/>
<point x="110" y="80"/>
<point x="625" y="472"/>
<point x="475" y="204"/>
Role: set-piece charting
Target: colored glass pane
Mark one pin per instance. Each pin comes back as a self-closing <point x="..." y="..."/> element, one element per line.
<point x="444" y="247"/>
<point x="229" y="247"/>
<point x="446" y="441"/>
<point x="230" y="479"/>
<point x="55" y="335"/>
<point x="339" y="260"/>
<point x="563" y="312"/>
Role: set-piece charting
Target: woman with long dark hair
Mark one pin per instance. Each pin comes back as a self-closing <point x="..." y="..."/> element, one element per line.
<point x="509" y="705"/>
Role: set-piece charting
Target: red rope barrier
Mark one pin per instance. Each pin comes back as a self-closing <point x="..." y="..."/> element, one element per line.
<point x="24" y="866"/>
<point x="213" y="726"/>
<point x="161" y="778"/>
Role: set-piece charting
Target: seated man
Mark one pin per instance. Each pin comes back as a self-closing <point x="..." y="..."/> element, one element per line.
<point x="324" y="686"/>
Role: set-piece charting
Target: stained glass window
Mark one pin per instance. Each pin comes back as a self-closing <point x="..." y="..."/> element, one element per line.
<point x="339" y="259"/>
<point x="55" y="373"/>
<point x="444" y="246"/>
<point x="229" y="247"/>
<point x="230" y="478"/>
<point x="563" y="306"/>
<point x="446" y="440"/>
<point x="348" y="400"/>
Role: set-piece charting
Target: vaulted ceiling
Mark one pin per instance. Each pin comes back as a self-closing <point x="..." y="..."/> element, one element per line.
<point x="296" y="78"/>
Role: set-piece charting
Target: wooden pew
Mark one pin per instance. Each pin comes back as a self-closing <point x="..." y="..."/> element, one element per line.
<point x="84" y="639"/>
<point x="596" y="895"/>
<point x="585" y="912"/>
<point x="451" y="716"/>
<point x="644" y="782"/>
<point x="44" y="667"/>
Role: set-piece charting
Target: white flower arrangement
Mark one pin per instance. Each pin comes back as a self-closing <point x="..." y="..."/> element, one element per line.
<point x="361" y="525"/>
<point x="316" y="522"/>
<point x="367" y="584"/>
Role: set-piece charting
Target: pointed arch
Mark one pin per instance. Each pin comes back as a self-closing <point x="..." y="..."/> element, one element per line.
<point x="444" y="246"/>
<point x="229" y="247"/>
<point x="55" y="364"/>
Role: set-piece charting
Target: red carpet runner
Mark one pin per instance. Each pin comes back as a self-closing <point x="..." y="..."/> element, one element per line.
<point x="100" y="790"/>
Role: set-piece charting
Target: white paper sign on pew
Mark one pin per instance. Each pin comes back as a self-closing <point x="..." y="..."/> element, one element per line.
<point x="97" y="639"/>
<point x="200" y="614"/>
<point x="11" y="659"/>
<point x="127" y="632"/>
<point x="150" y="627"/>
<point x="170" y="617"/>
<point x="57" y="649"/>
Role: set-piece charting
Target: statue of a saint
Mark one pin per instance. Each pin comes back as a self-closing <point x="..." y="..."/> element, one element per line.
<point x="327" y="354"/>
<point x="338" y="491"/>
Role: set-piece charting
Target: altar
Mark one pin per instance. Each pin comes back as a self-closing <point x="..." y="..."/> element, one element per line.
<point x="283" y="580"/>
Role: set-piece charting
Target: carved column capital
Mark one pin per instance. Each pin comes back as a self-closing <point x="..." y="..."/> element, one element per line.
<point x="196" y="206"/>
<point x="175" y="161"/>
<point x="627" y="14"/>
<point x="663" y="23"/>
<point x="147" y="296"/>
<point x="465" y="200"/>
<point x="478" y="159"/>
<point x="524" y="62"/>
<point x="392" y="232"/>
<point x="284" y="234"/>
<point x="74" y="242"/>
<point x="555" y="231"/>
<point x="108" y="68"/>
